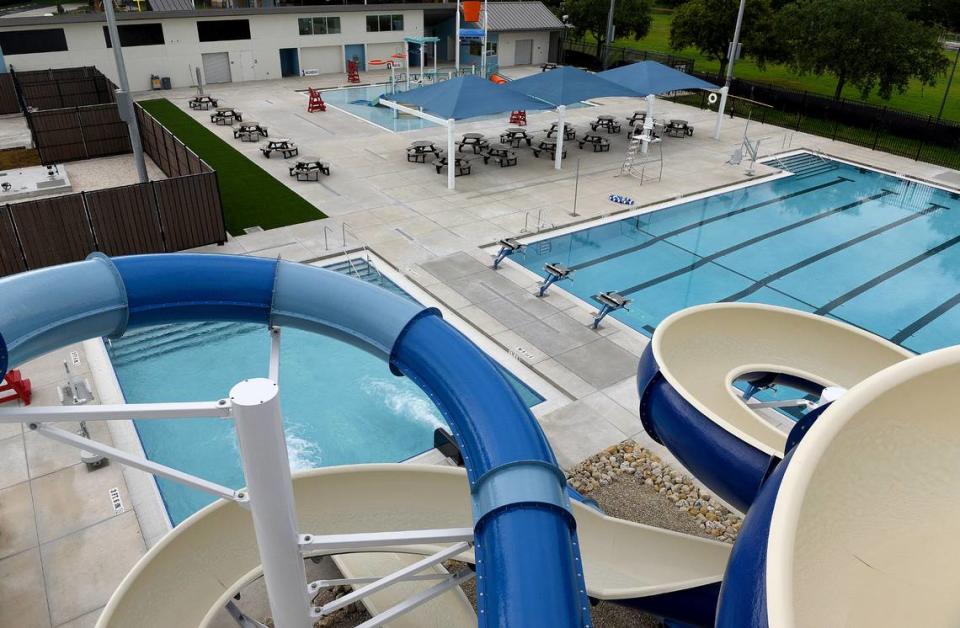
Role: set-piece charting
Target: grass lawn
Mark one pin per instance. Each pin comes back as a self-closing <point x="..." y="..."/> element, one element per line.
<point x="918" y="98"/>
<point x="251" y="196"/>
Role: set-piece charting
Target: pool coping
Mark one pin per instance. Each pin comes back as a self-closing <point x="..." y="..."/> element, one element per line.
<point x="142" y="488"/>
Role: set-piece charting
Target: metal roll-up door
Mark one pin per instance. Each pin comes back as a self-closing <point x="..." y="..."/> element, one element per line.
<point x="216" y="67"/>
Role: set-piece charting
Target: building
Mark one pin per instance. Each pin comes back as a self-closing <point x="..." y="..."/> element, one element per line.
<point x="247" y="44"/>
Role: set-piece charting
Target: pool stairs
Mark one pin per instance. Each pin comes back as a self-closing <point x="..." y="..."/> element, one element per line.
<point x="803" y="165"/>
<point x="149" y="342"/>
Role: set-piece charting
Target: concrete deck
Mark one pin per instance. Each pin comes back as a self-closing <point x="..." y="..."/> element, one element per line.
<point x="63" y="549"/>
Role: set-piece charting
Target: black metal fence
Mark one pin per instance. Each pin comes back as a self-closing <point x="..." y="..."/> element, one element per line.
<point x="922" y="138"/>
<point x="582" y="53"/>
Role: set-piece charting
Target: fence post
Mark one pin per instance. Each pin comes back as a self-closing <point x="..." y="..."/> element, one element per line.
<point x="83" y="138"/>
<point x="801" y="110"/>
<point x="876" y="137"/>
<point x="923" y="139"/>
<point x="835" y="123"/>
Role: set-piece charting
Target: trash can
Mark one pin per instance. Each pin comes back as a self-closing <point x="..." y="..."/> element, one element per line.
<point x="165" y="81"/>
<point x="154" y="81"/>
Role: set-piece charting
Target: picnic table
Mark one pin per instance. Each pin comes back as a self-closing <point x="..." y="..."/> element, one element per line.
<point x="461" y="163"/>
<point x="503" y="154"/>
<point x="600" y="144"/>
<point x="225" y="115"/>
<point x="569" y="133"/>
<point x="309" y="168"/>
<point x="549" y="145"/>
<point x="544" y="67"/>
<point x="474" y="141"/>
<point x="250" y="131"/>
<point x="203" y="102"/>
<point x="282" y="145"/>
<point x="514" y="136"/>
<point x="607" y="123"/>
<point x="418" y="151"/>
<point x="678" y="128"/>
<point x="637" y="116"/>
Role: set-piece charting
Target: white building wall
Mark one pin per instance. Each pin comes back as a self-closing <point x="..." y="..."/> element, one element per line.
<point x="257" y="58"/>
<point x="506" y="46"/>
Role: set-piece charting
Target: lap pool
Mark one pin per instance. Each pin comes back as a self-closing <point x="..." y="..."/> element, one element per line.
<point x="341" y="405"/>
<point x="875" y="250"/>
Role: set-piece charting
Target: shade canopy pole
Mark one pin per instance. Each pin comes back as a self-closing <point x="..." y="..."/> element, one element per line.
<point x="456" y="43"/>
<point x="561" y="123"/>
<point x="451" y="156"/>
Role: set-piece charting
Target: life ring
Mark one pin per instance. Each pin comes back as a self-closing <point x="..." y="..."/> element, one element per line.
<point x="377" y="62"/>
<point x="712" y="98"/>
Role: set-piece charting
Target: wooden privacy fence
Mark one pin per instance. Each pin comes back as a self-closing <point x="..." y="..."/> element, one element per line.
<point x="165" y="149"/>
<point x="79" y="133"/>
<point x="155" y="217"/>
<point x="55" y="89"/>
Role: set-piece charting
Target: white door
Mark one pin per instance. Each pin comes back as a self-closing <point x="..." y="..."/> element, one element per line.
<point x="323" y="59"/>
<point x="247" y="66"/>
<point x="216" y="67"/>
<point x="523" y="52"/>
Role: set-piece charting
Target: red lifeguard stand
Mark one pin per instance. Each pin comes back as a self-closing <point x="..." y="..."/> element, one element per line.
<point x="20" y="387"/>
<point x="353" y="72"/>
<point x="316" y="102"/>
<point x="518" y="117"/>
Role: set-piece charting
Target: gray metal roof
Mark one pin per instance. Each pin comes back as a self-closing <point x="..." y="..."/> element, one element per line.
<point x="521" y="16"/>
<point x="171" y="5"/>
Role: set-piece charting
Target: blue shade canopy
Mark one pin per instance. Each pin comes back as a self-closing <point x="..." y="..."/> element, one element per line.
<point x="650" y="77"/>
<point x="567" y="85"/>
<point x="466" y="97"/>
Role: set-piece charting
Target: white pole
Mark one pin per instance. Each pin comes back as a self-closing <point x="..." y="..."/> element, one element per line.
<point x="423" y="48"/>
<point x="451" y="156"/>
<point x="456" y="42"/>
<point x="483" y="45"/>
<point x="434" y="62"/>
<point x="730" y="62"/>
<point x="406" y="60"/>
<point x="266" y="467"/>
<point x="124" y="101"/>
<point x="647" y="125"/>
<point x="561" y="123"/>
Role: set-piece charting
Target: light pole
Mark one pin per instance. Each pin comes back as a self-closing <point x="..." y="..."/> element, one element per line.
<point x="733" y="55"/>
<point x="949" y="83"/>
<point x="606" y="47"/>
<point x="124" y="102"/>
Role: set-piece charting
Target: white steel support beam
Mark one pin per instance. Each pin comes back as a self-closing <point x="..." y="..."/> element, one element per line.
<point x="266" y="467"/>
<point x="367" y="541"/>
<point x="317" y="585"/>
<point x="561" y="124"/>
<point x="414" y="601"/>
<point x="56" y="414"/>
<point x="69" y="438"/>
<point x="275" y="354"/>
<point x="396" y="576"/>
<point x="451" y="156"/>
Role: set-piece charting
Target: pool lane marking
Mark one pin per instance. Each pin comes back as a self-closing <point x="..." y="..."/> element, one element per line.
<point x="701" y="223"/>
<point x="896" y="270"/>
<point x="828" y="252"/>
<point x="926" y="319"/>
<point x="703" y="261"/>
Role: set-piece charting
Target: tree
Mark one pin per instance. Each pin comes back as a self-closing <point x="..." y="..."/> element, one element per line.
<point x="708" y="26"/>
<point x="870" y="44"/>
<point x="630" y="18"/>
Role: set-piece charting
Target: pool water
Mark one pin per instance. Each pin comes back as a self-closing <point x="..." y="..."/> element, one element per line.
<point x="871" y="249"/>
<point x="341" y="405"/>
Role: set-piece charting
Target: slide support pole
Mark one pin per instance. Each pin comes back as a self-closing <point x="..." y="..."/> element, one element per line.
<point x="266" y="467"/>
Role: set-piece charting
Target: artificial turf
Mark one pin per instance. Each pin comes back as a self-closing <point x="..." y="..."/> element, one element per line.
<point x="251" y="196"/>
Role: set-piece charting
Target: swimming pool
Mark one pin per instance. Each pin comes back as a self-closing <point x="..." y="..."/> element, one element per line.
<point x="341" y="405"/>
<point x="872" y="249"/>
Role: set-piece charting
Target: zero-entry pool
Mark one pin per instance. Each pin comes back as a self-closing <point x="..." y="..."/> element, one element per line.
<point x="878" y="251"/>
<point x="341" y="405"/>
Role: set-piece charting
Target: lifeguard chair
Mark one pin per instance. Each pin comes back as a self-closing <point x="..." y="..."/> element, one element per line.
<point x="353" y="72"/>
<point x="518" y="117"/>
<point x="316" y="102"/>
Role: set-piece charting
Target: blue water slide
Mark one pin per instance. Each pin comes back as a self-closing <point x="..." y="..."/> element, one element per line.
<point x="528" y="561"/>
<point x="732" y="468"/>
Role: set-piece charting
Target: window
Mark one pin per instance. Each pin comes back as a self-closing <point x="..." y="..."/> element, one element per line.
<point x="137" y="35"/>
<point x="475" y="47"/>
<point x="383" y="23"/>
<point x="28" y="42"/>
<point x="223" y="30"/>
<point x="319" y="25"/>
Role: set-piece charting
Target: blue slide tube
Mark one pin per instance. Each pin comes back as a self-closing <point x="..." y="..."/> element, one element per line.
<point x="527" y="556"/>
<point x="731" y="468"/>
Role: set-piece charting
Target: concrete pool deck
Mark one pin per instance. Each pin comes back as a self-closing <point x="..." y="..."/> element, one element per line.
<point x="63" y="549"/>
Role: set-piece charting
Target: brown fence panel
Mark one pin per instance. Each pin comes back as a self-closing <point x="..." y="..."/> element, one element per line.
<point x="125" y="220"/>
<point x="183" y="162"/>
<point x="58" y="135"/>
<point x="11" y="255"/>
<point x="8" y="95"/>
<point x="53" y="230"/>
<point x="190" y="211"/>
<point x="65" y="87"/>
<point x="103" y="131"/>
